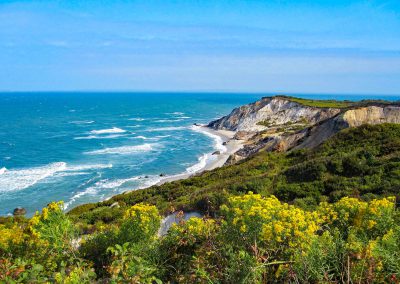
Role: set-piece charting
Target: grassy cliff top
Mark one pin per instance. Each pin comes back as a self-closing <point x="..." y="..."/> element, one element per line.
<point x="335" y="103"/>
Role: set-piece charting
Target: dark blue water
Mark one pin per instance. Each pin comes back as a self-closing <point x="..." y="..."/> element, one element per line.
<point x="85" y="147"/>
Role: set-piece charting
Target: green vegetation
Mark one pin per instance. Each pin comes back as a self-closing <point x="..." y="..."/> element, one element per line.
<point x="326" y="215"/>
<point x="321" y="103"/>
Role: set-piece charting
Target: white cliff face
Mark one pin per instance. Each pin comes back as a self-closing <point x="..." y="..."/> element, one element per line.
<point x="272" y="112"/>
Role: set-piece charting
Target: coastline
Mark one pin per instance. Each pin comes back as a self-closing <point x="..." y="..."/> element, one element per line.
<point x="226" y="145"/>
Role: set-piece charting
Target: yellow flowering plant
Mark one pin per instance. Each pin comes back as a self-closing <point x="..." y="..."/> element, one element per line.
<point x="52" y="227"/>
<point x="141" y="223"/>
<point x="373" y="218"/>
<point x="253" y="218"/>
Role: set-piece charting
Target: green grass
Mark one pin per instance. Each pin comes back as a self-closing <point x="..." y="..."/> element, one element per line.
<point x="321" y="103"/>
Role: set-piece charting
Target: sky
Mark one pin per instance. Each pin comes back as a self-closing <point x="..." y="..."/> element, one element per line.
<point x="274" y="46"/>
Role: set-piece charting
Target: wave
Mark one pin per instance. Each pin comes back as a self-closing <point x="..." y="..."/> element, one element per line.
<point x="136" y="119"/>
<point x="82" y="122"/>
<point x="13" y="180"/>
<point x="171" y="128"/>
<point x="123" y="150"/>
<point x="112" y="136"/>
<point x="141" y="137"/>
<point x="203" y="160"/>
<point x="19" y="179"/>
<point x="107" y="185"/>
<point x="168" y="120"/>
<point x="107" y="131"/>
<point x="88" y="167"/>
<point x="218" y="141"/>
<point x="176" y="113"/>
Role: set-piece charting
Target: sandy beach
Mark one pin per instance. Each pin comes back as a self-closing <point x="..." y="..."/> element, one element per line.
<point x="216" y="160"/>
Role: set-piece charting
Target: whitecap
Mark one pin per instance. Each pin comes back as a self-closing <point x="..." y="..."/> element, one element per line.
<point x="168" y="120"/>
<point x="107" y="131"/>
<point x="140" y="137"/>
<point x="112" y="136"/>
<point x="82" y="122"/>
<point x="172" y="128"/>
<point x="88" y="167"/>
<point x="104" y="184"/>
<point x="176" y="113"/>
<point x="123" y="150"/>
<point x="136" y="119"/>
<point x="18" y="179"/>
<point x="2" y="170"/>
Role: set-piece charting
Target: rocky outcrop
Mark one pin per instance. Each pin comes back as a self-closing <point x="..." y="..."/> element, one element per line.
<point x="279" y="124"/>
<point x="271" y="112"/>
<point x="19" y="211"/>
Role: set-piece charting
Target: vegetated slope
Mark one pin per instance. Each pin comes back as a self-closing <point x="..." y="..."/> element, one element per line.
<point x="362" y="161"/>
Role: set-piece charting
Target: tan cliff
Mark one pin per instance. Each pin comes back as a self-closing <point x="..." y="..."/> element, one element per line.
<point x="280" y="124"/>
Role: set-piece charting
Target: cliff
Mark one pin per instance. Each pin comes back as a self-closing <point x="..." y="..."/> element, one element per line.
<point x="282" y="123"/>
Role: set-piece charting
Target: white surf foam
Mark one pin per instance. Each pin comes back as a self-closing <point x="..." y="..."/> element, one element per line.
<point x="112" y="136"/>
<point x="124" y="150"/>
<point x="108" y="131"/>
<point x="88" y="167"/>
<point x="12" y="180"/>
<point x="218" y="142"/>
<point x="168" y="120"/>
<point x="82" y="122"/>
<point x="136" y="119"/>
<point x="176" y="113"/>
<point x="141" y="137"/>
<point x="107" y="185"/>
<point x="203" y="160"/>
<point x="172" y="128"/>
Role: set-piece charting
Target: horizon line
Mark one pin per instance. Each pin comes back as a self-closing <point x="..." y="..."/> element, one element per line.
<point x="201" y="92"/>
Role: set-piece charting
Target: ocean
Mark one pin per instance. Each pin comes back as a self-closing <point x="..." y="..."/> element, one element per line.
<point x="86" y="147"/>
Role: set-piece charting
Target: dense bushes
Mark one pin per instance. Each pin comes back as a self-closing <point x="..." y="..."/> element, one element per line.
<point x="255" y="239"/>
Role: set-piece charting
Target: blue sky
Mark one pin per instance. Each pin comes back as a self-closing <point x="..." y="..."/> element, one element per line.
<point x="327" y="46"/>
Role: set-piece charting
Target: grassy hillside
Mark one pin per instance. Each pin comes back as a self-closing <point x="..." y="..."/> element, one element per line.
<point x="362" y="162"/>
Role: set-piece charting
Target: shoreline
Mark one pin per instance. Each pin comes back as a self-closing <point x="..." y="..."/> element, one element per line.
<point x="228" y="147"/>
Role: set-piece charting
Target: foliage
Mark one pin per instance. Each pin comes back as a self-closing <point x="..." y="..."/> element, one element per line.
<point x="321" y="103"/>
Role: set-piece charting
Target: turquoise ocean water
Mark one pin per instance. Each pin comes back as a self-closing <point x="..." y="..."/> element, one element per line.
<point x="86" y="147"/>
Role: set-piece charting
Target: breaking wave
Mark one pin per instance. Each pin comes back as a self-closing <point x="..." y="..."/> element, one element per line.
<point x="123" y="150"/>
<point x="108" y="131"/>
